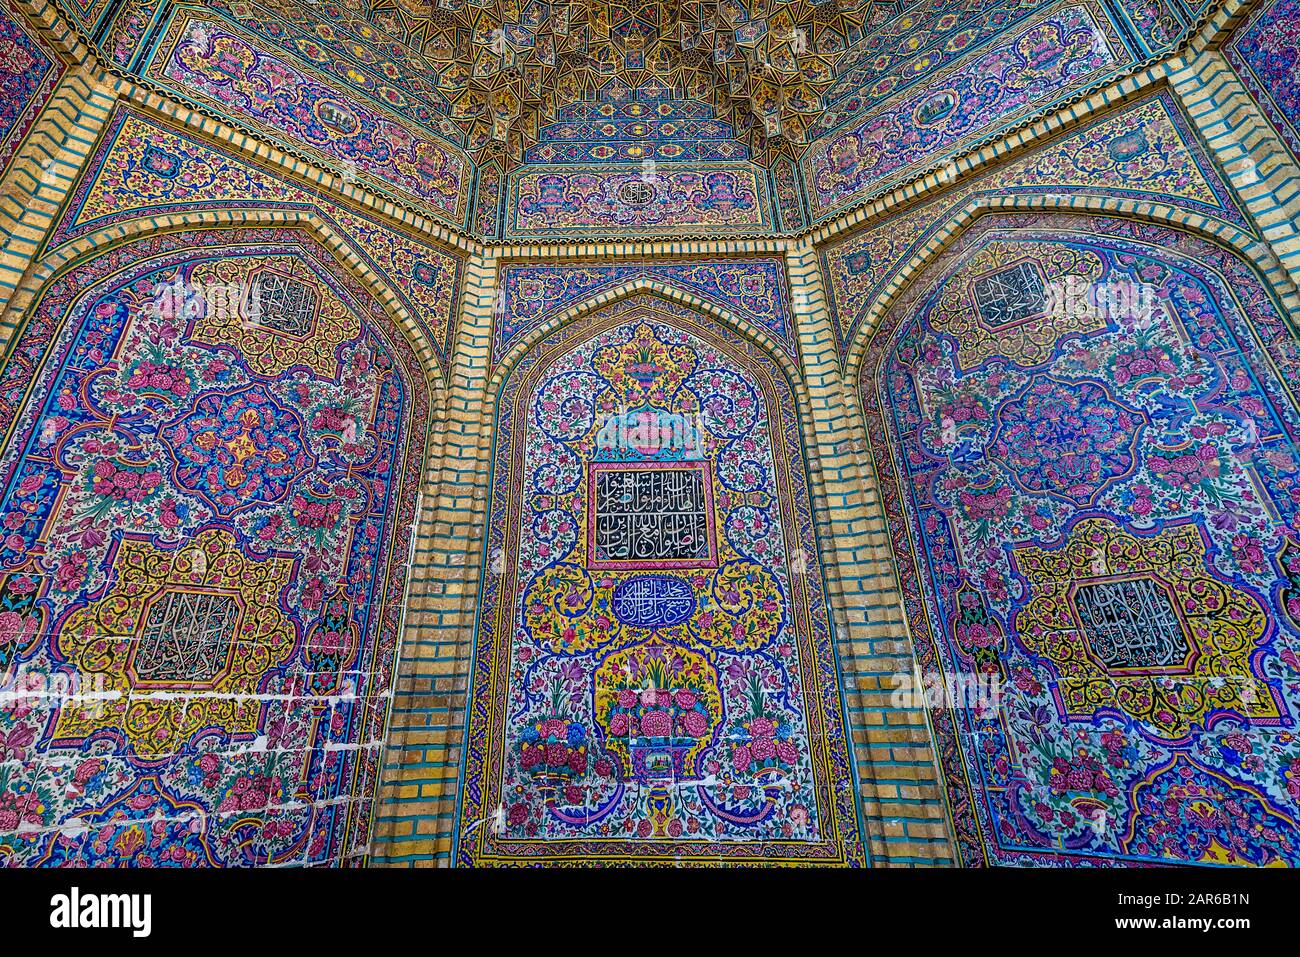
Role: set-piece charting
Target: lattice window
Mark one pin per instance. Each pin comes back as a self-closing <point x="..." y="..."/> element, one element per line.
<point x="1010" y="295"/>
<point x="1131" y="624"/>
<point x="187" y="637"/>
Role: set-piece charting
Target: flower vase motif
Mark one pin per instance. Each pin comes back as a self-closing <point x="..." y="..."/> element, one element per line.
<point x="977" y="632"/>
<point x="658" y="708"/>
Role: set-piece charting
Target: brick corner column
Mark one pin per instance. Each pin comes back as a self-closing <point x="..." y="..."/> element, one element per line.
<point x="898" y="778"/>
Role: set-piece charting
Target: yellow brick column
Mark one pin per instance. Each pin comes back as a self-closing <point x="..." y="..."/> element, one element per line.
<point x="899" y="786"/>
<point x="1261" y="169"/>
<point x="36" y="182"/>
<point x="415" y="817"/>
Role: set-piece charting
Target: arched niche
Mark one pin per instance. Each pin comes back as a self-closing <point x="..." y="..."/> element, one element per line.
<point x="653" y="676"/>
<point x="1084" y="433"/>
<point x="211" y="470"/>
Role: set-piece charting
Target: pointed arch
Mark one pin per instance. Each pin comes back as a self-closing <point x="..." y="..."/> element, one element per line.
<point x="83" y="249"/>
<point x="974" y="454"/>
<point x="511" y="532"/>
<point x="671" y="293"/>
<point x="330" y="455"/>
<point x="647" y="286"/>
<point x="960" y="220"/>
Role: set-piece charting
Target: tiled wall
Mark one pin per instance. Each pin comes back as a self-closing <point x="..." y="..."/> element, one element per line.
<point x="76" y="184"/>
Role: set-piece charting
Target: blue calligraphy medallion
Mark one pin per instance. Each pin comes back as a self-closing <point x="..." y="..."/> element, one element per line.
<point x="653" y="601"/>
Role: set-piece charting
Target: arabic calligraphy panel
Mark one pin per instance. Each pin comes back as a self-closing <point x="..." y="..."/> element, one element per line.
<point x="653" y="515"/>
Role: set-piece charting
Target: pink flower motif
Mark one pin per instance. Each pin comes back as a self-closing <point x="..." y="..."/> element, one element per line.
<point x="987" y="505"/>
<point x="71" y="572"/>
<point x="1248" y="553"/>
<point x="87" y="769"/>
<point x="763" y="749"/>
<point x="1239" y="743"/>
<point x="740" y="758"/>
<point x="12" y="626"/>
<point x="656" y="724"/>
<point x="328" y="643"/>
<point x="695" y="724"/>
